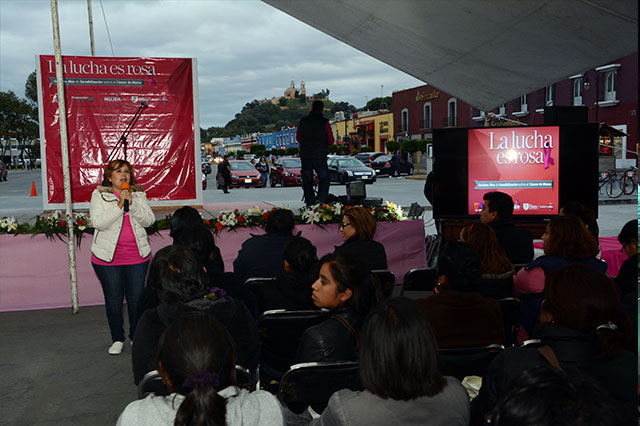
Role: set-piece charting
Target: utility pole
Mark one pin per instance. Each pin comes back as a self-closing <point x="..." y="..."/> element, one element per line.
<point x="93" y="47"/>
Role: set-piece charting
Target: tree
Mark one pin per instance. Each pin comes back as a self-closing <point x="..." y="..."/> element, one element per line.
<point x="31" y="88"/>
<point x="345" y="107"/>
<point x="292" y="150"/>
<point x="379" y="103"/>
<point x="19" y="120"/>
<point x="393" y="146"/>
<point x="323" y="94"/>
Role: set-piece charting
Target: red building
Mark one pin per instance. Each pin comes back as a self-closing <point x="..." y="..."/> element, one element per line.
<point x="417" y="111"/>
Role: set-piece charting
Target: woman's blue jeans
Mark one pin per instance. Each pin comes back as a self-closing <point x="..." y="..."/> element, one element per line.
<point x="118" y="282"/>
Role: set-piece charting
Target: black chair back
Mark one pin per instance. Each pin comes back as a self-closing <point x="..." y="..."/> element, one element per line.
<point x="511" y="311"/>
<point x="152" y="382"/>
<point x="280" y="332"/>
<point x="313" y="383"/>
<point x="385" y="280"/>
<point x="419" y="279"/>
<point x="255" y="282"/>
<point x="469" y="361"/>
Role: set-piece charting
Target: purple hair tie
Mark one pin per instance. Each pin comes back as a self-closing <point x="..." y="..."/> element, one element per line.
<point x="201" y="378"/>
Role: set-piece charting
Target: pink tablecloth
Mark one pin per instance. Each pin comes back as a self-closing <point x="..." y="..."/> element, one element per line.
<point x="34" y="271"/>
<point x="609" y="252"/>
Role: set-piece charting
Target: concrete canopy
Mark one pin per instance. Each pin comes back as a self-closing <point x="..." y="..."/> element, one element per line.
<point x="485" y="52"/>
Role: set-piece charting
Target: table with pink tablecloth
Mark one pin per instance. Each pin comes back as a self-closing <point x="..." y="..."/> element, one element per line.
<point x="610" y="252"/>
<point x="34" y="271"/>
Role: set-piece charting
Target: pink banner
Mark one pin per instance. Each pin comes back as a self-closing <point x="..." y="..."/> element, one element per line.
<point x="520" y="161"/>
<point x="102" y="96"/>
<point x="35" y="270"/>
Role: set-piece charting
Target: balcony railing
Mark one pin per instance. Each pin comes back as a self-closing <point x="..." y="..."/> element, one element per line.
<point x="425" y="124"/>
<point x="450" y="121"/>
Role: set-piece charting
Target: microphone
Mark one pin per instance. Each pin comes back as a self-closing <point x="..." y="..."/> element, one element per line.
<point x="123" y="186"/>
<point x="144" y="103"/>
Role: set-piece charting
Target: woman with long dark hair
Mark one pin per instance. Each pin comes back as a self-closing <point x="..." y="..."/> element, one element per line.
<point x="196" y="360"/>
<point x="120" y="251"/>
<point x="344" y="286"/>
<point x="358" y="228"/>
<point x="398" y="365"/>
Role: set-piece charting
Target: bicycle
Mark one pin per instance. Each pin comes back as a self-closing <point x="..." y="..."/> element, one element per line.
<point x="610" y="183"/>
<point x="628" y="181"/>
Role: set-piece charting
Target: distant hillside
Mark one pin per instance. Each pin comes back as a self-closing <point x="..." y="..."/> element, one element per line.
<point x="265" y="117"/>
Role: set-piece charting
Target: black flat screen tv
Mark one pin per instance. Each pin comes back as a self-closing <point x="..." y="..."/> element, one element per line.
<point x="541" y="167"/>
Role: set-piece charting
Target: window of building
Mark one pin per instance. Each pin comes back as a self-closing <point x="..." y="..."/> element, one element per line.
<point x="610" y="86"/>
<point x="577" y="91"/>
<point x="405" y="120"/>
<point x="452" y="119"/>
<point x="609" y="76"/>
<point x="501" y="110"/>
<point x="426" y="124"/>
<point x="550" y="95"/>
<point x="524" y="108"/>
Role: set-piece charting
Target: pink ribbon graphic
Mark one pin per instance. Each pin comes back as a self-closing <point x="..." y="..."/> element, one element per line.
<point x="547" y="157"/>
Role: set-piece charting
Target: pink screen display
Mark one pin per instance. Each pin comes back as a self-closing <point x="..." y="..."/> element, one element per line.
<point x="519" y="161"/>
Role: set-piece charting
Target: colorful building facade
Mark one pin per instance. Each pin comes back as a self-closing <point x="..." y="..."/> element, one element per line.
<point x="372" y="129"/>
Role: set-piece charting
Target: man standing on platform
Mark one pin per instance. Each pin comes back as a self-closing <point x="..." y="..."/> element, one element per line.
<point x="497" y="212"/>
<point x="314" y="137"/>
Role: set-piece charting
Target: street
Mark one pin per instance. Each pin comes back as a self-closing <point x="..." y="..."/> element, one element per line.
<point x="15" y="199"/>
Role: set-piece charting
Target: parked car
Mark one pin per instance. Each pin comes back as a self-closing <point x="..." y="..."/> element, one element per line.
<point x="286" y="172"/>
<point x="349" y="169"/>
<point x="382" y="166"/>
<point x="243" y="174"/>
<point x="206" y="167"/>
<point x="3" y="171"/>
<point x="204" y="181"/>
<point x="368" y="157"/>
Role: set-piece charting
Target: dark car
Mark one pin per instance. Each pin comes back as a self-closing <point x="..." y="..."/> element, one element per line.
<point x="368" y="157"/>
<point x="204" y="181"/>
<point x="382" y="166"/>
<point x="348" y="169"/>
<point x="206" y="167"/>
<point x="243" y="174"/>
<point x="3" y="171"/>
<point x="286" y="172"/>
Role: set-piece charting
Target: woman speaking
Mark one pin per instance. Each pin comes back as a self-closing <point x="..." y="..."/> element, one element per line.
<point x="120" y="251"/>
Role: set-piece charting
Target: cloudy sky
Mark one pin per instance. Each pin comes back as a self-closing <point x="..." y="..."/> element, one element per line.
<point x="245" y="49"/>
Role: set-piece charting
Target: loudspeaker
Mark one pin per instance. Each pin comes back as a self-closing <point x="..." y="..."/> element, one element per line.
<point x="558" y="115"/>
<point x="356" y="191"/>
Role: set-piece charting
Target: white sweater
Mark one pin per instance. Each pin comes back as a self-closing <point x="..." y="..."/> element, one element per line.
<point x="244" y="408"/>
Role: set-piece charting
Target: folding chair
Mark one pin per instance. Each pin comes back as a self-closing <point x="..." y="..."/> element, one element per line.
<point x="467" y="361"/>
<point x="313" y="383"/>
<point x="432" y="243"/>
<point x="280" y="332"/>
<point x="385" y="280"/>
<point x="511" y="311"/>
<point x="419" y="280"/>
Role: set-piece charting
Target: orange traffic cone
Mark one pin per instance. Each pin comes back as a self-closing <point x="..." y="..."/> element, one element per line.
<point x="33" y="189"/>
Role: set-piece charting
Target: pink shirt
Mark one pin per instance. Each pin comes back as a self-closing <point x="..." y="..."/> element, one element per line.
<point x="127" y="252"/>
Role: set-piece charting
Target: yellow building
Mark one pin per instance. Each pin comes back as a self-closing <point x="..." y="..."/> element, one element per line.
<point x="371" y="129"/>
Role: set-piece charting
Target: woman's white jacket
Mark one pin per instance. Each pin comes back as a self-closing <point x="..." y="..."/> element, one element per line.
<point x="107" y="219"/>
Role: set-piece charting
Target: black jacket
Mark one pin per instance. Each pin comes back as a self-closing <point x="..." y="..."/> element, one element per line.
<point x="627" y="278"/>
<point x="231" y="313"/>
<point x="312" y="137"/>
<point x="369" y="252"/>
<point x="261" y="256"/>
<point x="234" y="288"/>
<point x="286" y="292"/>
<point x="330" y="340"/>
<point x="517" y="242"/>
<point x="575" y="351"/>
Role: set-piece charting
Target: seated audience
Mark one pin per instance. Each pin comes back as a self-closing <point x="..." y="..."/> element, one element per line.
<point x="201" y="241"/>
<point x="459" y="315"/>
<point x="497" y="212"/>
<point x="627" y="278"/>
<point x="581" y="329"/>
<point x="188" y="217"/>
<point x="292" y="290"/>
<point x="398" y="365"/>
<point x="196" y="360"/>
<point x="261" y="255"/>
<point x="497" y="269"/>
<point x="345" y="288"/>
<point x="182" y="286"/>
<point x="565" y="241"/>
<point x="587" y="216"/>
<point x="547" y="396"/>
<point x="358" y="228"/>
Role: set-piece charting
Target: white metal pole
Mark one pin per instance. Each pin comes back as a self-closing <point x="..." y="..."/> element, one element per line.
<point x="62" y="113"/>
<point x="93" y="46"/>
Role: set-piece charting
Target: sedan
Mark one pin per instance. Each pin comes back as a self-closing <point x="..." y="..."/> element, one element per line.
<point x="286" y="172"/>
<point x="345" y="170"/>
<point x="243" y="174"/>
<point x="368" y="157"/>
<point x="205" y="167"/>
<point x="382" y="166"/>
